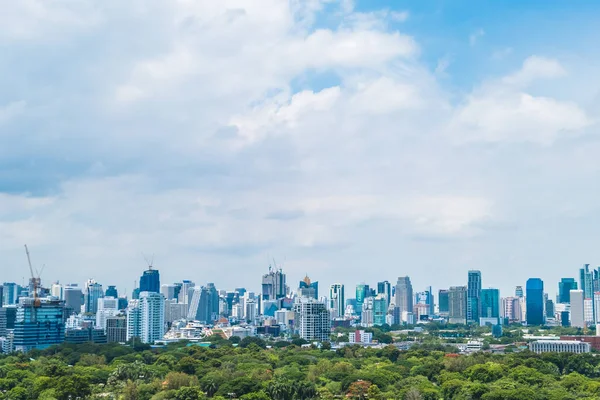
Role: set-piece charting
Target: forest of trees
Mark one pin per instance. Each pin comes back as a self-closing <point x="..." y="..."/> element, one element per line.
<point x="251" y="370"/>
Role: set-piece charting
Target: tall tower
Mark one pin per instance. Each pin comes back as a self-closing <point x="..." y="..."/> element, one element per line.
<point x="404" y="295"/>
<point x="273" y="285"/>
<point x="564" y="290"/>
<point x="586" y="281"/>
<point x="535" y="301"/>
<point x="150" y="281"/>
<point x="385" y="288"/>
<point x="152" y="316"/>
<point x="474" y="296"/>
<point x="337" y="299"/>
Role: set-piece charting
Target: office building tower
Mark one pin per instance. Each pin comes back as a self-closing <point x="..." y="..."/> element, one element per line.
<point x="39" y="326"/>
<point x="186" y="292"/>
<point x="150" y="281"/>
<point x="307" y="288"/>
<point x="362" y="292"/>
<point x="404" y="295"/>
<point x="577" y="308"/>
<point x="380" y="308"/>
<point x="519" y="291"/>
<point x="152" y="313"/>
<point x="425" y="298"/>
<point x="549" y="308"/>
<point x="366" y="316"/>
<point x="337" y="299"/>
<point x="534" y="301"/>
<point x="135" y="294"/>
<point x="3" y="322"/>
<point x="122" y="302"/>
<point x="112" y="292"/>
<point x="9" y="293"/>
<point x="204" y="306"/>
<point x="586" y="281"/>
<point x="93" y="292"/>
<point x="107" y="307"/>
<point x="174" y="311"/>
<point x="473" y="296"/>
<point x="273" y="285"/>
<point x="116" y="329"/>
<point x="56" y="290"/>
<point x="73" y="297"/>
<point x="511" y="309"/>
<point x="443" y="307"/>
<point x="250" y="310"/>
<point x="312" y="319"/>
<point x="588" y="311"/>
<point x="169" y="291"/>
<point x="490" y="303"/>
<point x="457" y="305"/>
<point x="134" y="319"/>
<point x="1" y="295"/>
<point x="564" y="289"/>
<point x="385" y="288"/>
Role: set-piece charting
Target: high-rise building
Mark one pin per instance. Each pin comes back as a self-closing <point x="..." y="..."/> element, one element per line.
<point x="112" y="292"/>
<point x="150" y="281"/>
<point x="404" y="295"/>
<point x="337" y="299"/>
<point x="457" y="305"/>
<point x="473" y="296"/>
<point x="134" y="319"/>
<point x="56" y="290"/>
<point x="362" y="292"/>
<point x="534" y="301"/>
<point x="116" y="329"/>
<point x="152" y="313"/>
<point x="519" y="291"/>
<point x="9" y="293"/>
<point x="186" y="292"/>
<point x="385" y="288"/>
<point x="511" y="309"/>
<point x="490" y="303"/>
<point x="564" y="289"/>
<point x="169" y="291"/>
<point x="586" y="281"/>
<point x="273" y="285"/>
<point x="443" y="307"/>
<point x="39" y="326"/>
<point x="425" y="298"/>
<point x="312" y="319"/>
<point x="93" y="292"/>
<point x="577" y="308"/>
<point x="204" y="306"/>
<point x="380" y="308"/>
<point x="306" y="288"/>
<point x="107" y="307"/>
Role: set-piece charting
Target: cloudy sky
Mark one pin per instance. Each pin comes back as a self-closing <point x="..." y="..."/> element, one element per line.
<point x="351" y="140"/>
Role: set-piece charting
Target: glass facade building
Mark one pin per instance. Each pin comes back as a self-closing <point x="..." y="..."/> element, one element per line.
<point x="150" y="281"/>
<point x="39" y="327"/>
<point x="535" y="301"/>
<point x="490" y="303"/>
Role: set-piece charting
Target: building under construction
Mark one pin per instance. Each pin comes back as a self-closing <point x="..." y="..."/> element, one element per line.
<point x="39" y="324"/>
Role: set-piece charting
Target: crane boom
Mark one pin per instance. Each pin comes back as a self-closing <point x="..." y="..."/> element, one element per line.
<point x="29" y="261"/>
<point x="36" y="300"/>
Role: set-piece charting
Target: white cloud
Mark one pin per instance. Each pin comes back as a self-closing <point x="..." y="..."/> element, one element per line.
<point x="475" y="36"/>
<point x="535" y="67"/>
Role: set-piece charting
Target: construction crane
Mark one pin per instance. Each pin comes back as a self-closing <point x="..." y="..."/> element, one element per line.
<point x="36" y="301"/>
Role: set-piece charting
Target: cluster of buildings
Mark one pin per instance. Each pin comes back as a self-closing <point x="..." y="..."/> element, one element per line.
<point x="38" y="317"/>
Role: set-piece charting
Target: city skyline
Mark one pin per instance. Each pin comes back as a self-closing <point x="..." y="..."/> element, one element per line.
<point x="407" y="138"/>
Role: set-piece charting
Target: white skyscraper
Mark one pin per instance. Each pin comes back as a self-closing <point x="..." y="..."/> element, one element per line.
<point x="577" y="309"/>
<point x="107" y="307"/>
<point x="57" y="290"/>
<point x="134" y="319"/>
<point x="312" y="319"/>
<point x="152" y="310"/>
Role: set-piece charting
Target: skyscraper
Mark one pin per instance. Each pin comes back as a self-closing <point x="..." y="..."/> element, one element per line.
<point x="9" y="293"/>
<point x="56" y="290"/>
<point x="73" y="297"/>
<point x="307" y="288"/>
<point x="490" y="303"/>
<point x="152" y="313"/>
<point x="39" y="327"/>
<point x="577" y="312"/>
<point x="380" y="307"/>
<point x="586" y="281"/>
<point x="519" y="291"/>
<point x="337" y="299"/>
<point x="511" y="309"/>
<point x="443" y="307"/>
<point x="535" y="301"/>
<point x="169" y="291"/>
<point x="112" y="292"/>
<point x="385" y="288"/>
<point x="150" y="281"/>
<point x="312" y="319"/>
<point x="473" y="296"/>
<point x="564" y="289"/>
<point x="107" y="307"/>
<point x="457" y="305"/>
<point x="93" y="292"/>
<point x="204" y="306"/>
<point x="134" y="319"/>
<point x="404" y="295"/>
<point x="362" y="292"/>
<point x="273" y="285"/>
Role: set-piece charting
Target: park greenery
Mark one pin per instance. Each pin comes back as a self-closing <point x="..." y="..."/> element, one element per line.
<point x="253" y="369"/>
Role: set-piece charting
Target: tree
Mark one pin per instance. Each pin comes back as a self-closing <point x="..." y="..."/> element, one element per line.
<point x="248" y="340"/>
<point x="358" y="390"/>
<point x="189" y="393"/>
<point x="70" y="387"/>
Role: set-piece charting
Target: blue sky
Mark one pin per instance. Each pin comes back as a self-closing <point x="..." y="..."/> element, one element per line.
<point x="350" y="140"/>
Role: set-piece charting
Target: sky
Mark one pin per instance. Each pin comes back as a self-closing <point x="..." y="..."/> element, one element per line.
<point x="353" y="141"/>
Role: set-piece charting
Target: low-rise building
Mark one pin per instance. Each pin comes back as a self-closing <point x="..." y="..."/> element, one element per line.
<point x="559" y="346"/>
<point x="361" y="337"/>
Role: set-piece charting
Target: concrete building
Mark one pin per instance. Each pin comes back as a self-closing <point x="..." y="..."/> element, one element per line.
<point x="559" y="346"/>
<point x="134" y="320"/>
<point x="404" y="295"/>
<point x="457" y="305"/>
<point x="93" y="291"/>
<point x="73" y="296"/>
<point x="312" y="319"/>
<point x="474" y="296"/>
<point x="273" y="285"/>
<point x="337" y="299"/>
<point x="107" y="307"/>
<point x="360" y="337"/>
<point x="116" y="329"/>
<point x="152" y="313"/>
<point x="577" y="308"/>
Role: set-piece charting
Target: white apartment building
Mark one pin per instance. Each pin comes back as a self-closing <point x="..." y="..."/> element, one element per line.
<point x="312" y="319"/>
<point x="559" y="346"/>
